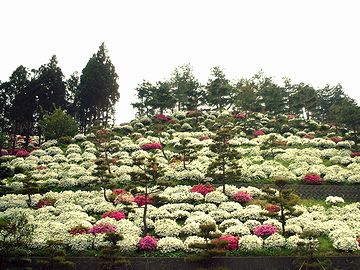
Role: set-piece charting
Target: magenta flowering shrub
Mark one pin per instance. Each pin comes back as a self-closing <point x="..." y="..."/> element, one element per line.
<point x="44" y="202"/>
<point x="242" y="197"/>
<point x="22" y="153"/>
<point x="272" y="208"/>
<point x="313" y="179"/>
<point x="258" y="133"/>
<point x="148" y="243"/>
<point x="358" y="240"/>
<point x="355" y="154"/>
<point x="151" y="146"/>
<point x="233" y="241"/>
<point x="240" y="116"/>
<point x="203" y="189"/>
<point x="204" y="138"/>
<point x="114" y="214"/>
<point x="162" y="117"/>
<point x="265" y="230"/>
<point x="102" y="228"/>
<point x="335" y="139"/>
<point x="140" y="200"/>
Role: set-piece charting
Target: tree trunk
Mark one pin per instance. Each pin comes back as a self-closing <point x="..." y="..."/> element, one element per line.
<point x="145" y="212"/>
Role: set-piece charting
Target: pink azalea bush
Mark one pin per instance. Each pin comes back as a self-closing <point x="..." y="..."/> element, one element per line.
<point x="233" y="242"/>
<point x="140" y="200"/>
<point x="242" y="197"/>
<point x="240" y="116"/>
<point x="313" y="179"/>
<point x="102" y="228"/>
<point x="291" y="116"/>
<point x="335" y="139"/>
<point x="114" y="214"/>
<point x="265" y="230"/>
<point x="44" y="202"/>
<point x="309" y="136"/>
<point x="203" y="188"/>
<point x="162" y="117"/>
<point x="203" y="138"/>
<point x="258" y="133"/>
<point x="22" y="153"/>
<point x="78" y="230"/>
<point x="272" y="208"/>
<point x="355" y="154"/>
<point x="148" y="243"/>
<point x="151" y="146"/>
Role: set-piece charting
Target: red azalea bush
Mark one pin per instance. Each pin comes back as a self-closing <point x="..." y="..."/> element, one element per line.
<point x="140" y="200"/>
<point x="335" y="139"/>
<point x="358" y="242"/>
<point x="242" y="197"/>
<point x="45" y="202"/>
<point x="102" y="228"/>
<point x="119" y="191"/>
<point x="265" y="230"/>
<point x="309" y="136"/>
<point x="240" y="116"/>
<point x="258" y="133"/>
<point x="148" y="243"/>
<point x="272" y="208"/>
<point x="78" y="230"/>
<point x="114" y="214"/>
<point x="162" y="117"/>
<point x="233" y="242"/>
<point x="203" y="138"/>
<point x="203" y="189"/>
<point x="355" y="154"/>
<point x="151" y="146"/>
<point x="22" y="153"/>
<point x="291" y="116"/>
<point x="313" y="179"/>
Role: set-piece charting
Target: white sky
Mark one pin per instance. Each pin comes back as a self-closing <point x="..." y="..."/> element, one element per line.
<point x="316" y="42"/>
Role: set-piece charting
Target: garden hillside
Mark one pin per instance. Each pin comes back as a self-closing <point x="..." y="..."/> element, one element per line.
<point x="180" y="184"/>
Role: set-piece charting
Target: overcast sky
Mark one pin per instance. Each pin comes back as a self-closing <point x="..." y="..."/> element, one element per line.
<point x="316" y="42"/>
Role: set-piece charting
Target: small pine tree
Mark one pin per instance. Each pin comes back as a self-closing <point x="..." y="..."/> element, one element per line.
<point x="186" y="151"/>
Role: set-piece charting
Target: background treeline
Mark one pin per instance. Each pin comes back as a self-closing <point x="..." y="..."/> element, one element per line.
<point x="30" y="95"/>
<point x="257" y="94"/>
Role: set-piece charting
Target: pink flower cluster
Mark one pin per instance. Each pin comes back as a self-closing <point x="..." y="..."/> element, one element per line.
<point x="102" y="228"/>
<point x="335" y="139"/>
<point x="22" y="153"/>
<point x="242" y="197"/>
<point x="265" y="230"/>
<point x="355" y="154"/>
<point x="148" y="243"/>
<point x="203" y="138"/>
<point x="78" y="230"/>
<point x="258" y="133"/>
<point x="162" y="117"/>
<point x="119" y="191"/>
<point x="114" y="214"/>
<point x="203" y="189"/>
<point x="240" y="116"/>
<point x="44" y="202"/>
<point x="313" y="179"/>
<point x="151" y="146"/>
<point x="140" y="200"/>
<point x="291" y="116"/>
<point x="272" y="208"/>
<point x="233" y="242"/>
<point x="309" y="136"/>
<point x="358" y="242"/>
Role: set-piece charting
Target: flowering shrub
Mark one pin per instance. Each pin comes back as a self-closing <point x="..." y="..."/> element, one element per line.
<point x="114" y="214"/>
<point x="140" y="200"/>
<point x="240" y="116"/>
<point x="272" y="208"/>
<point x="102" y="228"/>
<point x="313" y="179"/>
<point x="119" y="191"/>
<point x="265" y="230"/>
<point x="334" y="200"/>
<point x="203" y="189"/>
<point x="151" y="146"/>
<point x="203" y="138"/>
<point x="335" y="139"/>
<point x="148" y="243"/>
<point x="258" y="133"/>
<point x="309" y="136"/>
<point x="44" y="202"/>
<point x="291" y="116"/>
<point x="162" y="117"/>
<point x="124" y="198"/>
<point x="78" y="230"/>
<point x="242" y="197"/>
<point x="232" y="241"/>
<point x="22" y="153"/>
<point x="358" y="240"/>
<point x="355" y="154"/>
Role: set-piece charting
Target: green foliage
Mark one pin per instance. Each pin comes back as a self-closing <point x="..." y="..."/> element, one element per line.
<point x="57" y="257"/>
<point x="58" y="124"/>
<point x="186" y="151"/>
<point x="112" y="255"/>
